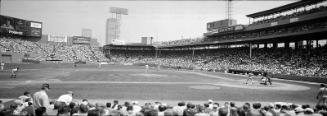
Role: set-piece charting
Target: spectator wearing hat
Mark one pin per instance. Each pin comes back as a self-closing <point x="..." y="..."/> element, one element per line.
<point x="322" y="95"/>
<point x="40" y="98"/>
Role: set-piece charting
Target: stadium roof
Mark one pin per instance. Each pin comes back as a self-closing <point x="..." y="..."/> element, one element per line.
<point x="284" y="8"/>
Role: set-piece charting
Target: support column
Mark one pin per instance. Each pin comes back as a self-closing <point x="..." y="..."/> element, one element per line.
<point x="274" y="45"/>
<point x="193" y="52"/>
<point x="156" y="53"/>
<point x="287" y="45"/>
<point x="250" y="45"/>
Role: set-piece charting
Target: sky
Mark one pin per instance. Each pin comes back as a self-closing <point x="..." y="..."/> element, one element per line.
<point x="163" y="20"/>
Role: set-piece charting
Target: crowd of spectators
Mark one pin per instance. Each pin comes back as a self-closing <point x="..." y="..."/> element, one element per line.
<point x="292" y="15"/>
<point x="66" y="105"/>
<point x="286" y="61"/>
<point x="51" y="51"/>
<point x="179" y="42"/>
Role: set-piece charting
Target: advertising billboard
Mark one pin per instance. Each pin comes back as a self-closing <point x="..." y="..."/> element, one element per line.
<point x="19" y="27"/>
<point x="57" y="38"/>
<point x="81" y="40"/>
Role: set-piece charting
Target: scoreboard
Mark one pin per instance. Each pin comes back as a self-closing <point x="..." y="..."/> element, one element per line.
<point x="19" y="27"/>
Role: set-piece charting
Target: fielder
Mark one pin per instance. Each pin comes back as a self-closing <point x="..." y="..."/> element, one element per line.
<point x="14" y="72"/>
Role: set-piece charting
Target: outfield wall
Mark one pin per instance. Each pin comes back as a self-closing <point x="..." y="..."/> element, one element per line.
<point x="11" y="57"/>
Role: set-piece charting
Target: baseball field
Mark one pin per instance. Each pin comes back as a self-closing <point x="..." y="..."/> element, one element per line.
<point x="111" y="82"/>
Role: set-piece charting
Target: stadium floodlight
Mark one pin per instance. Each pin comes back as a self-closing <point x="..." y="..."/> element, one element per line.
<point x="116" y="10"/>
<point x="115" y="21"/>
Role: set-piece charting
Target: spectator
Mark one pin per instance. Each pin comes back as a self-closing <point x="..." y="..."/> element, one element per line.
<point x="29" y="110"/>
<point x="41" y="99"/>
<point x="180" y="108"/>
<point x="83" y="109"/>
<point x="115" y="105"/>
<point x="233" y="109"/>
<point x="40" y="111"/>
<point x="94" y="113"/>
<point x="64" y="100"/>
<point x="189" y="111"/>
<point x="2" y="106"/>
<point x="201" y="111"/>
<point x="214" y="111"/>
<point x="256" y="110"/>
<point x="322" y="95"/>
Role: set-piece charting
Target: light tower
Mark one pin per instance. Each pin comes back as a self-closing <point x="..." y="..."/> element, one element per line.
<point x="229" y="11"/>
<point x="113" y="24"/>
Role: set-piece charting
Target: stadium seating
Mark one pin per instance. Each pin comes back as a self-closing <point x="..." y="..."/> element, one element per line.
<point x="275" y="61"/>
<point x="51" y="50"/>
<point x="294" y="14"/>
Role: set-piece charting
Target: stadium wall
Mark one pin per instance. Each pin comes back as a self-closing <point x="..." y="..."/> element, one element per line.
<point x="11" y="57"/>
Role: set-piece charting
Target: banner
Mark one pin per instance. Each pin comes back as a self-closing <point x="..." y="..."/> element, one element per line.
<point x="20" y="27"/>
<point x="81" y="40"/>
<point x="57" y="38"/>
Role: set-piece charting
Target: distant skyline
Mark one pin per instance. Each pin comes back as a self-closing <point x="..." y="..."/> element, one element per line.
<point x="164" y="20"/>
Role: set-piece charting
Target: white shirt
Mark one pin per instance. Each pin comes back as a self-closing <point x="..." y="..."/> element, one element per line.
<point x="179" y="110"/>
<point x="136" y="108"/>
<point x="41" y="99"/>
<point x="66" y="98"/>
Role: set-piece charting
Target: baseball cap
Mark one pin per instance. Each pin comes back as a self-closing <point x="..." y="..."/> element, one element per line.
<point x="45" y="85"/>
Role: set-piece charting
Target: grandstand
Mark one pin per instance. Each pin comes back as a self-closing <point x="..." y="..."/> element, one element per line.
<point x="287" y="44"/>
